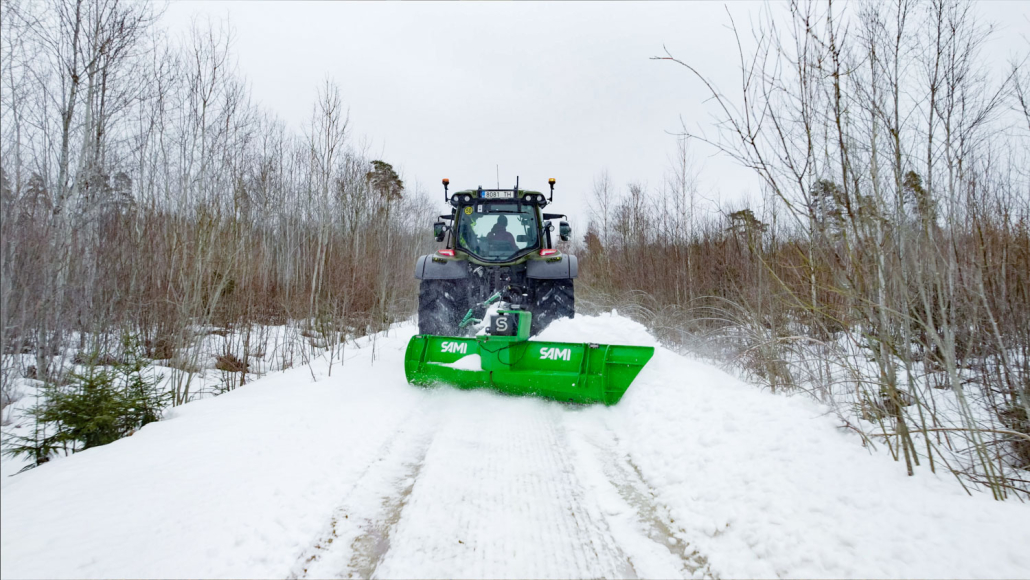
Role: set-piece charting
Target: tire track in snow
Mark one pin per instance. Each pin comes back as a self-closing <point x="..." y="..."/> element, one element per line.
<point x="358" y="533"/>
<point x="370" y="548"/>
<point x="653" y="541"/>
<point x="661" y="528"/>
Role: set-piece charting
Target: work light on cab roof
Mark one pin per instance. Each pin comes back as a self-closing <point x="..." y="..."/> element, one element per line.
<point x="498" y="248"/>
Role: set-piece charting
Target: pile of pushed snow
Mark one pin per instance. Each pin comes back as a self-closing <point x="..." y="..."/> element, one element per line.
<point x="608" y="328"/>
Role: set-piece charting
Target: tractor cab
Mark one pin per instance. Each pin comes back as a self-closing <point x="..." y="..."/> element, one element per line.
<point x="497" y="226"/>
<point x="497" y="230"/>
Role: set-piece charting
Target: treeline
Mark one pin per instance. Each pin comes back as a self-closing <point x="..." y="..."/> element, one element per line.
<point x="886" y="266"/>
<point x="144" y="193"/>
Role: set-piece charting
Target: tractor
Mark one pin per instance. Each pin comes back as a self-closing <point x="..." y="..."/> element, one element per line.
<point x="498" y="245"/>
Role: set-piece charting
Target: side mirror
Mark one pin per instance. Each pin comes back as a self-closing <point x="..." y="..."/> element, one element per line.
<point x="564" y="231"/>
<point x="438" y="231"/>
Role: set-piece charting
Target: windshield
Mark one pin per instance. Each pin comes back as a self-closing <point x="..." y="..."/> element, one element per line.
<point x="497" y="231"/>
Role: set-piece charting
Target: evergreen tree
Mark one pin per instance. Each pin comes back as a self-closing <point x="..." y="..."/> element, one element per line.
<point x="827" y="207"/>
<point x="384" y="181"/>
<point x="917" y="200"/>
<point x="100" y="405"/>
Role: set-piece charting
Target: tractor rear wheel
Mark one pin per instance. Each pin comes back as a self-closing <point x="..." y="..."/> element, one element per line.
<point x="552" y="299"/>
<point x="441" y="306"/>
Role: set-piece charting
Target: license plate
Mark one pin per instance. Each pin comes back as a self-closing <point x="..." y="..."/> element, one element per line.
<point x="497" y="194"/>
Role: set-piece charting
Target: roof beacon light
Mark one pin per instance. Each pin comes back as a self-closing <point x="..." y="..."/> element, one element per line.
<point x="551" y="183"/>
<point x="446" y="182"/>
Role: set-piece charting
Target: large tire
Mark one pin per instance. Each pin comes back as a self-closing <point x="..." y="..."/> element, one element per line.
<point x="441" y="306"/>
<point x="552" y="299"/>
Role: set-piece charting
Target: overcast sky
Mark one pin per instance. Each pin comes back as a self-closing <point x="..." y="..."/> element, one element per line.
<point x="541" y="90"/>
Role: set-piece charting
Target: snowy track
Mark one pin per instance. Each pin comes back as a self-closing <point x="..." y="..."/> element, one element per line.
<point x="360" y="475"/>
<point x="493" y="483"/>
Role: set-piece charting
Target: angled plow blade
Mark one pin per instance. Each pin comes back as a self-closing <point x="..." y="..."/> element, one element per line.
<point x="563" y="371"/>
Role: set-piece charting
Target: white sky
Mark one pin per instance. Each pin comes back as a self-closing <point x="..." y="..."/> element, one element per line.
<point x="559" y="90"/>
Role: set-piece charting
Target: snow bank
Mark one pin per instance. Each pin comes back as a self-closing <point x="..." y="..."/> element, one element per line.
<point x="768" y="486"/>
<point x="305" y="474"/>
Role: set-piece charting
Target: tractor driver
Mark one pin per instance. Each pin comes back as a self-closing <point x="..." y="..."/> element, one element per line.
<point x="500" y="233"/>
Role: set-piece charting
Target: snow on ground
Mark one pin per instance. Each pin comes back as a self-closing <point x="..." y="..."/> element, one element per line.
<point x="359" y="474"/>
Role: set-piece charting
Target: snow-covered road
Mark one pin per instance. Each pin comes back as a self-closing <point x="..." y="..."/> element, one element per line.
<point x="485" y="485"/>
<point x="359" y="474"/>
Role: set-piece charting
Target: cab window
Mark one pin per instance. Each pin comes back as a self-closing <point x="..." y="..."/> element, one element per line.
<point x="497" y="231"/>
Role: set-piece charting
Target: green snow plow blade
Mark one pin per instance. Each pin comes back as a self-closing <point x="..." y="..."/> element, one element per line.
<point x="573" y="372"/>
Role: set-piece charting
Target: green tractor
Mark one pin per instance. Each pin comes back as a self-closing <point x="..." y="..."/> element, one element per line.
<point x="497" y="240"/>
<point x="499" y="248"/>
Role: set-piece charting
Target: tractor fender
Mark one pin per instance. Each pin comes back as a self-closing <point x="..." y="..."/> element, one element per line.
<point x="430" y="267"/>
<point x="567" y="267"/>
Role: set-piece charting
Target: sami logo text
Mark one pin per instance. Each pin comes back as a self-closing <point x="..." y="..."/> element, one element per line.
<point x="454" y="347"/>
<point x="554" y="353"/>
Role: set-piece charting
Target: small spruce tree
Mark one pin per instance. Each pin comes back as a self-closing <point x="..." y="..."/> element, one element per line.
<point x="100" y="405"/>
